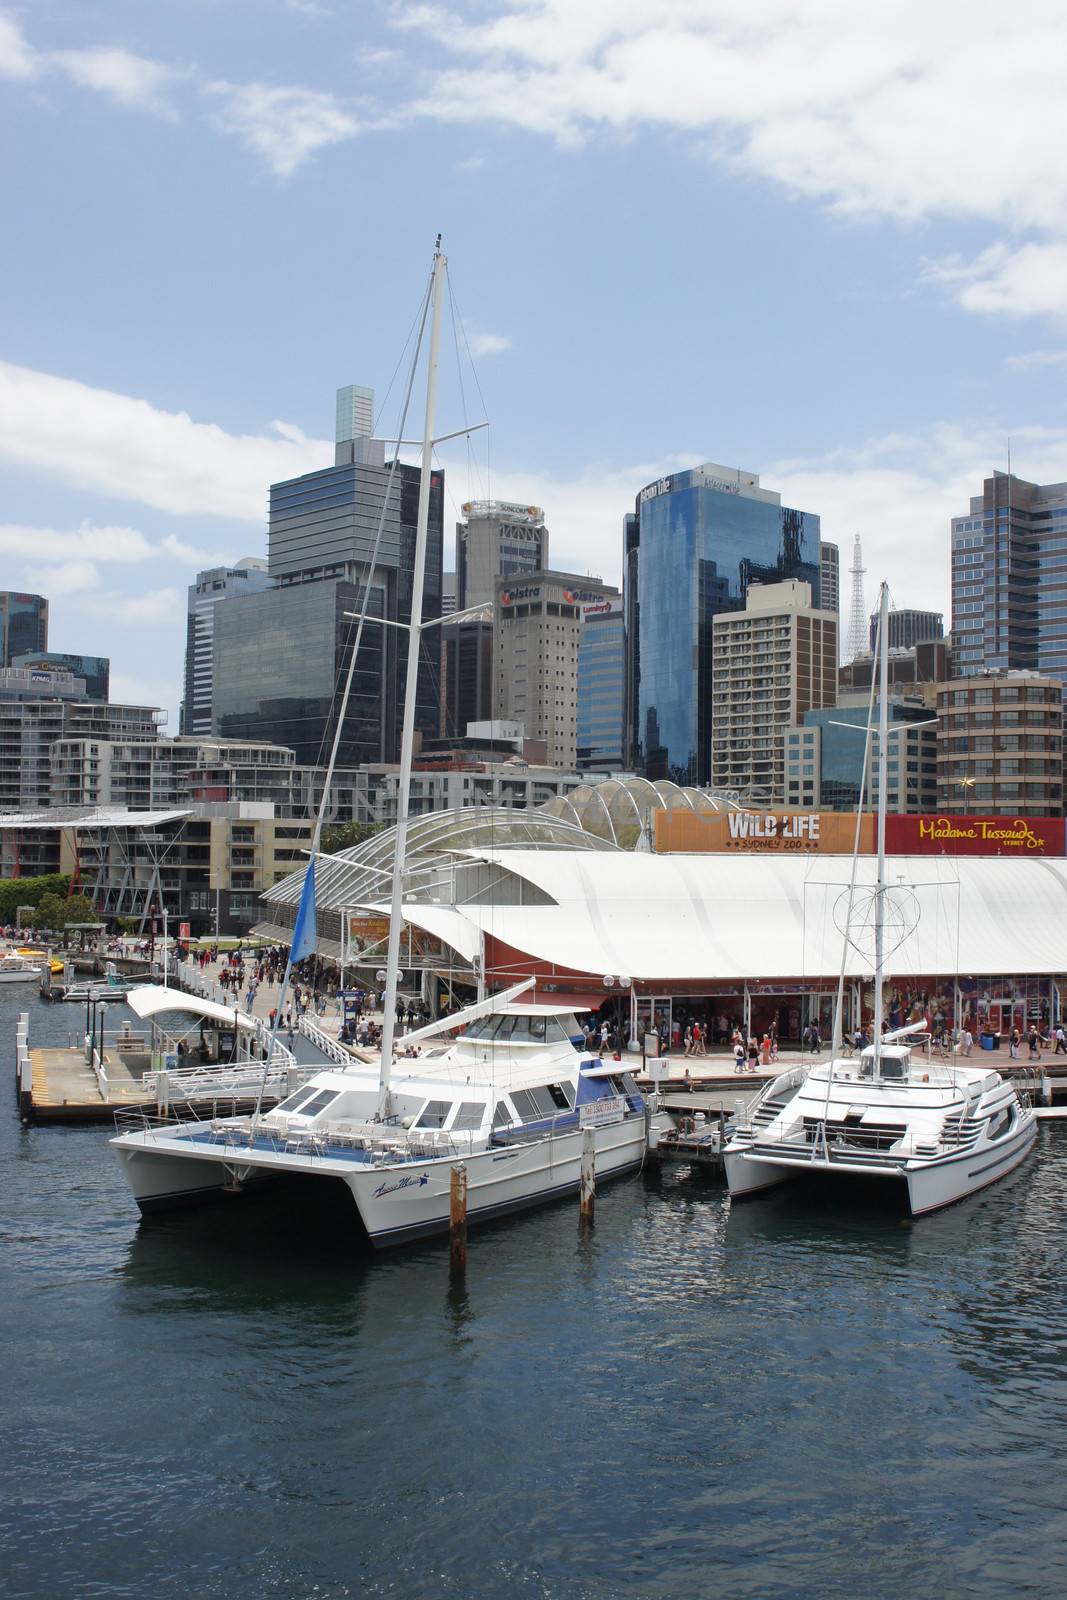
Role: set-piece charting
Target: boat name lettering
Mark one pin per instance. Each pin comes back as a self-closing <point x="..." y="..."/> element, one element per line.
<point x="402" y="1183"/>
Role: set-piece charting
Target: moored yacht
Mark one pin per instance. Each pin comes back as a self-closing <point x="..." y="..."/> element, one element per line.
<point x="511" y="1098"/>
<point x="934" y="1131"/>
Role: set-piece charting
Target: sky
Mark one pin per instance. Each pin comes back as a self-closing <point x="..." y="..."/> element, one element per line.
<point x="821" y="242"/>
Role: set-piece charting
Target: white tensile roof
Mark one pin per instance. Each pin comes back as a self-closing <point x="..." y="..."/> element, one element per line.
<point x="670" y="917"/>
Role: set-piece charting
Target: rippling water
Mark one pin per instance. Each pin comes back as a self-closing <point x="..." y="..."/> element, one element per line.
<point x="690" y="1402"/>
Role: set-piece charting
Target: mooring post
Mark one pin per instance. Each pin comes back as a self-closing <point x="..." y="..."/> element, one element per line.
<point x="588" y="1189"/>
<point x="457" y="1220"/>
<point x="722" y="1130"/>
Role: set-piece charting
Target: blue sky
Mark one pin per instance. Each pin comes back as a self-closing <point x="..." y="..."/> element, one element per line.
<point x="823" y="245"/>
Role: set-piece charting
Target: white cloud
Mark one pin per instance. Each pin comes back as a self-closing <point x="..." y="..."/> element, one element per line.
<point x="18" y="60"/>
<point x="191" y="555"/>
<point x="913" y="112"/>
<point x="154" y="605"/>
<point x="1008" y="281"/>
<point x="132" y="81"/>
<point x="85" y="544"/>
<point x="128" y="449"/>
<point x="62" y="578"/>
<point x="471" y="164"/>
<point x="1031" y="360"/>
<point x="488" y="344"/>
<point x="283" y="125"/>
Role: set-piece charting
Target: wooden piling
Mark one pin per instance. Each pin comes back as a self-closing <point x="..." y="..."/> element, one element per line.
<point x="457" y="1221"/>
<point x="588" y="1186"/>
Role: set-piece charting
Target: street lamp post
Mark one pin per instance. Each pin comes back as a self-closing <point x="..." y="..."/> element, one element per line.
<point x="102" y="1008"/>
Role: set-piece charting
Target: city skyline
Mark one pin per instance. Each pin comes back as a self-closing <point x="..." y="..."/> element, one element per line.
<point x="784" y="244"/>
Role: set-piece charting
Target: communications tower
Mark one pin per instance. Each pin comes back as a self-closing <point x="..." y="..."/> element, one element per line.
<point x="857" y="617"/>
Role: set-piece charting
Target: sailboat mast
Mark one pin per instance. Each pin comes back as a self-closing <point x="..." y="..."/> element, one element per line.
<point x="407" y="740"/>
<point x="883" y="777"/>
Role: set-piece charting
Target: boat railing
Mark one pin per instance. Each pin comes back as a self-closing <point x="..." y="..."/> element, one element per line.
<point x="332" y="1048"/>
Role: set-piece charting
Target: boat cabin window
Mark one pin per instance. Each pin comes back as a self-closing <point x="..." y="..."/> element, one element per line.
<point x="503" y="1116"/>
<point x="319" y="1102"/>
<point x="434" y="1114"/>
<point x="561" y="1099"/>
<point x="469" y="1115"/>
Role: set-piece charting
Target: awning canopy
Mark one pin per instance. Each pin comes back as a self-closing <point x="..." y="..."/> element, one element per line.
<point x="672" y="917"/>
<point x="153" y="998"/>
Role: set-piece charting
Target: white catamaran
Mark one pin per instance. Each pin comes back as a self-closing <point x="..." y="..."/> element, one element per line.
<point x="513" y="1097"/>
<point x="933" y="1132"/>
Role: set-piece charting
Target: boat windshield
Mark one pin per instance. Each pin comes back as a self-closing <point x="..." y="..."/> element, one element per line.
<point x="517" y="1030"/>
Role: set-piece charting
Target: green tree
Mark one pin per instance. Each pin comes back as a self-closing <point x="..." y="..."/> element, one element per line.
<point x="79" y="908"/>
<point x="15" y="892"/>
<point x="51" y="912"/>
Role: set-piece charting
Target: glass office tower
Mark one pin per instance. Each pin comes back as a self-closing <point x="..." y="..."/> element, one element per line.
<point x="23" y="625"/>
<point x="695" y="543"/>
<point x="601" y="671"/>
<point x="279" y="657"/>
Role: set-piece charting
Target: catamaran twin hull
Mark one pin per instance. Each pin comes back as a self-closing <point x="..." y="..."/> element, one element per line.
<point x="396" y="1202"/>
<point x="923" y="1184"/>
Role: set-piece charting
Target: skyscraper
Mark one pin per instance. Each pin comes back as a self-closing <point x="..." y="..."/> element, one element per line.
<point x="535" y="668"/>
<point x="497" y="539"/>
<point x="601" y="686"/>
<point x="909" y="627"/>
<point x="1009" y="579"/>
<point x="772" y="662"/>
<point x="280" y="656"/>
<point x="249" y="576"/>
<point x="693" y="545"/>
<point x="23" y="625"/>
<point x="829" y="577"/>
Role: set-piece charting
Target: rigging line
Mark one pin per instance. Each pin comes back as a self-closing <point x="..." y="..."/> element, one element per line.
<point x="420" y="314"/>
<point x="481" y="397"/>
<point x="339" y="729"/>
<point x="459" y="377"/>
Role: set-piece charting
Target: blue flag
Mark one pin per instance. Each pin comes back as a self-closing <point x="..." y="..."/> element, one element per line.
<point x="306" y="933"/>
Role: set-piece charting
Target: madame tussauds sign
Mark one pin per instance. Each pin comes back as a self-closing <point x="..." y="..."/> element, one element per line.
<point x="974" y="836"/>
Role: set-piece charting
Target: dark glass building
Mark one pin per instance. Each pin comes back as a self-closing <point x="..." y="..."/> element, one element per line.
<point x="601" y="673"/>
<point x="279" y="657"/>
<point x="95" y="670"/>
<point x="466" y="676"/>
<point x="694" y="544"/>
<point x="23" y="625"/>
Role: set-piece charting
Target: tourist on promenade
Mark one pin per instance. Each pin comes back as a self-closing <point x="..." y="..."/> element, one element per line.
<point x="1061" y="1041"/>
<point x="753" y="1055"/>
<point x="739" y="1057"/>
<point x="1014" y="1043"/>
<point x="765" y="1051"/>
<point x="966" y="1041"/>
<point x="1034" y="1041"/>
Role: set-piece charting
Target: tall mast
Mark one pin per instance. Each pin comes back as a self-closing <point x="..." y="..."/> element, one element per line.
<point x="883" y="775"/>
<point x="407" y="741"/>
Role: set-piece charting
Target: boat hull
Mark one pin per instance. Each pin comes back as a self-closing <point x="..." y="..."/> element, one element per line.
<point x="925" y="1186"/>
<point x="397" y="1203"/>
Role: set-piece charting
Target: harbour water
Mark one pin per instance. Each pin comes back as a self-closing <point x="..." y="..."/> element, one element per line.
<point x="685" y="1402"/>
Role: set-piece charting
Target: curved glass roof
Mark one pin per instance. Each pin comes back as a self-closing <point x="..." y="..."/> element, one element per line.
<point x="361" y="873"/>
<point x="618" y="810"/>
